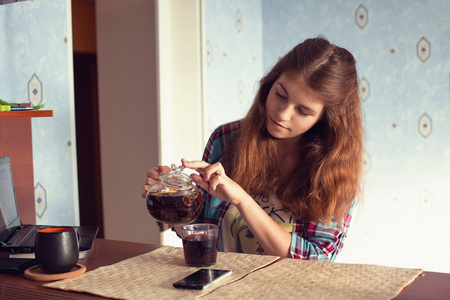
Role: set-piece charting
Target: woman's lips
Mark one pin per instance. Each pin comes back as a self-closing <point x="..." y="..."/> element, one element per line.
<point x="278" y="125"/>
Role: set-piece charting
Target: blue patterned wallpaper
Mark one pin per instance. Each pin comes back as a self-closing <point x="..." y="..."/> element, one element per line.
<point x="403" y="54"/>
<point x="233" y="59"/>
<point x="36" y="67"/>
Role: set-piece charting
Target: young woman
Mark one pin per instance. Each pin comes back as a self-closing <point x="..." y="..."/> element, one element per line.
<point x="283" y="180"/>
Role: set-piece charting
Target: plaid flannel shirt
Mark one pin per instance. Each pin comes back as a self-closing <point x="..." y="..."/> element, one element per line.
<point x="310" y="240"/>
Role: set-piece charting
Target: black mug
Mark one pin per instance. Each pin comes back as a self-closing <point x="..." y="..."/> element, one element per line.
<point x="57" y="249"/>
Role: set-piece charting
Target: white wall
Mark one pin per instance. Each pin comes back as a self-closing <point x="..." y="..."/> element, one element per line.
<point x="180" y="82"/>
<point x="179" y="85"/>
<point x="149" y="58"/>
<point x="128" y="116"/>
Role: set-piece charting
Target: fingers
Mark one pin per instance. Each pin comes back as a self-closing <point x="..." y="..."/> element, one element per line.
<point x="204" y="169"/>
<point x="214" y="181"/>
<point x="213" y="172"/>
<point x="197" y="165"/>
<point x="164" y="169"/>
<point x="154" y="176"/>
<point x="200" y="181"/>
<point x="155" y="173"/>
<point x="211" y="176"/>
<point x="210" y="185"/>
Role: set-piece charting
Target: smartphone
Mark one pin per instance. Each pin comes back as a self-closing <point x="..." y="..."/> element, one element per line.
<point x="201" y="279"/>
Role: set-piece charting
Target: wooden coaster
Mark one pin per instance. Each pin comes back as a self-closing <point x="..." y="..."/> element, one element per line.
<point x="35" y="273"/>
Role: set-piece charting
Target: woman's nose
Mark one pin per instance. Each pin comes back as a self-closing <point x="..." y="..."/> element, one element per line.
<point x="284" y="112"/>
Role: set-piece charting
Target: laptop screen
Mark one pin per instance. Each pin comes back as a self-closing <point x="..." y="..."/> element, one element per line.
<point x="9" y="216"/>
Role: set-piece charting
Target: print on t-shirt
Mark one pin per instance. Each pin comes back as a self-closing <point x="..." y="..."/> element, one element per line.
<point x="237" y="237"/>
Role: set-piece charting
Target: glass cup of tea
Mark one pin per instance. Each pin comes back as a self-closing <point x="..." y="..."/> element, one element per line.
<point x="175" y="200"/>
<point x="200" y="244"/>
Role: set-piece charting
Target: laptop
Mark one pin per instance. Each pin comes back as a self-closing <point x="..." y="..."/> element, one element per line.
<point x="16" y="237"/>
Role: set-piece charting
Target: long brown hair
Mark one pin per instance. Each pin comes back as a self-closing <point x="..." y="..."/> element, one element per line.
<point x="327" y="179"/>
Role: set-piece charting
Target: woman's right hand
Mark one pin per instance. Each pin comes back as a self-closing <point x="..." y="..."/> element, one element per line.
<point x="153" y="177"/>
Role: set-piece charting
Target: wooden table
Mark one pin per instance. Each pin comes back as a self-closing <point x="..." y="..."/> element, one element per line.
<point x="104" y="252"/>
<point x="430" y="285"/>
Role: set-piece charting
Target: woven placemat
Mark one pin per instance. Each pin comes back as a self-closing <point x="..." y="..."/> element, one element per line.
<point x="150" y="275"/>
<point x="295" y="279"/>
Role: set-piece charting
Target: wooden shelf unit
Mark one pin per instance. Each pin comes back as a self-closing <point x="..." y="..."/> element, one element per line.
<point x="26" y="114"/>
<point x="16" y="141"/>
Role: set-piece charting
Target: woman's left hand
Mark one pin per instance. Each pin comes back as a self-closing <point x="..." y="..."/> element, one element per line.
<point x="214" y="180"/>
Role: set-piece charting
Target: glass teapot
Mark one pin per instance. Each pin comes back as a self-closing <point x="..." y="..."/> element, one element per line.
<point x="175" y="200"/>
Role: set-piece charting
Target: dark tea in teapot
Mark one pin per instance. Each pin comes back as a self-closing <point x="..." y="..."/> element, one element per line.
<point x="173" y="208"/>
<point x="175" y="200"/>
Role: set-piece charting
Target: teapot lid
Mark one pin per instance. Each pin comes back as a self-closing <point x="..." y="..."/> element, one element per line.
<point x="176" y="179"/>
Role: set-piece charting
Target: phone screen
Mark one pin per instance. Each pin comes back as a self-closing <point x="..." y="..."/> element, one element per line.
<point x="201" y="279"/>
